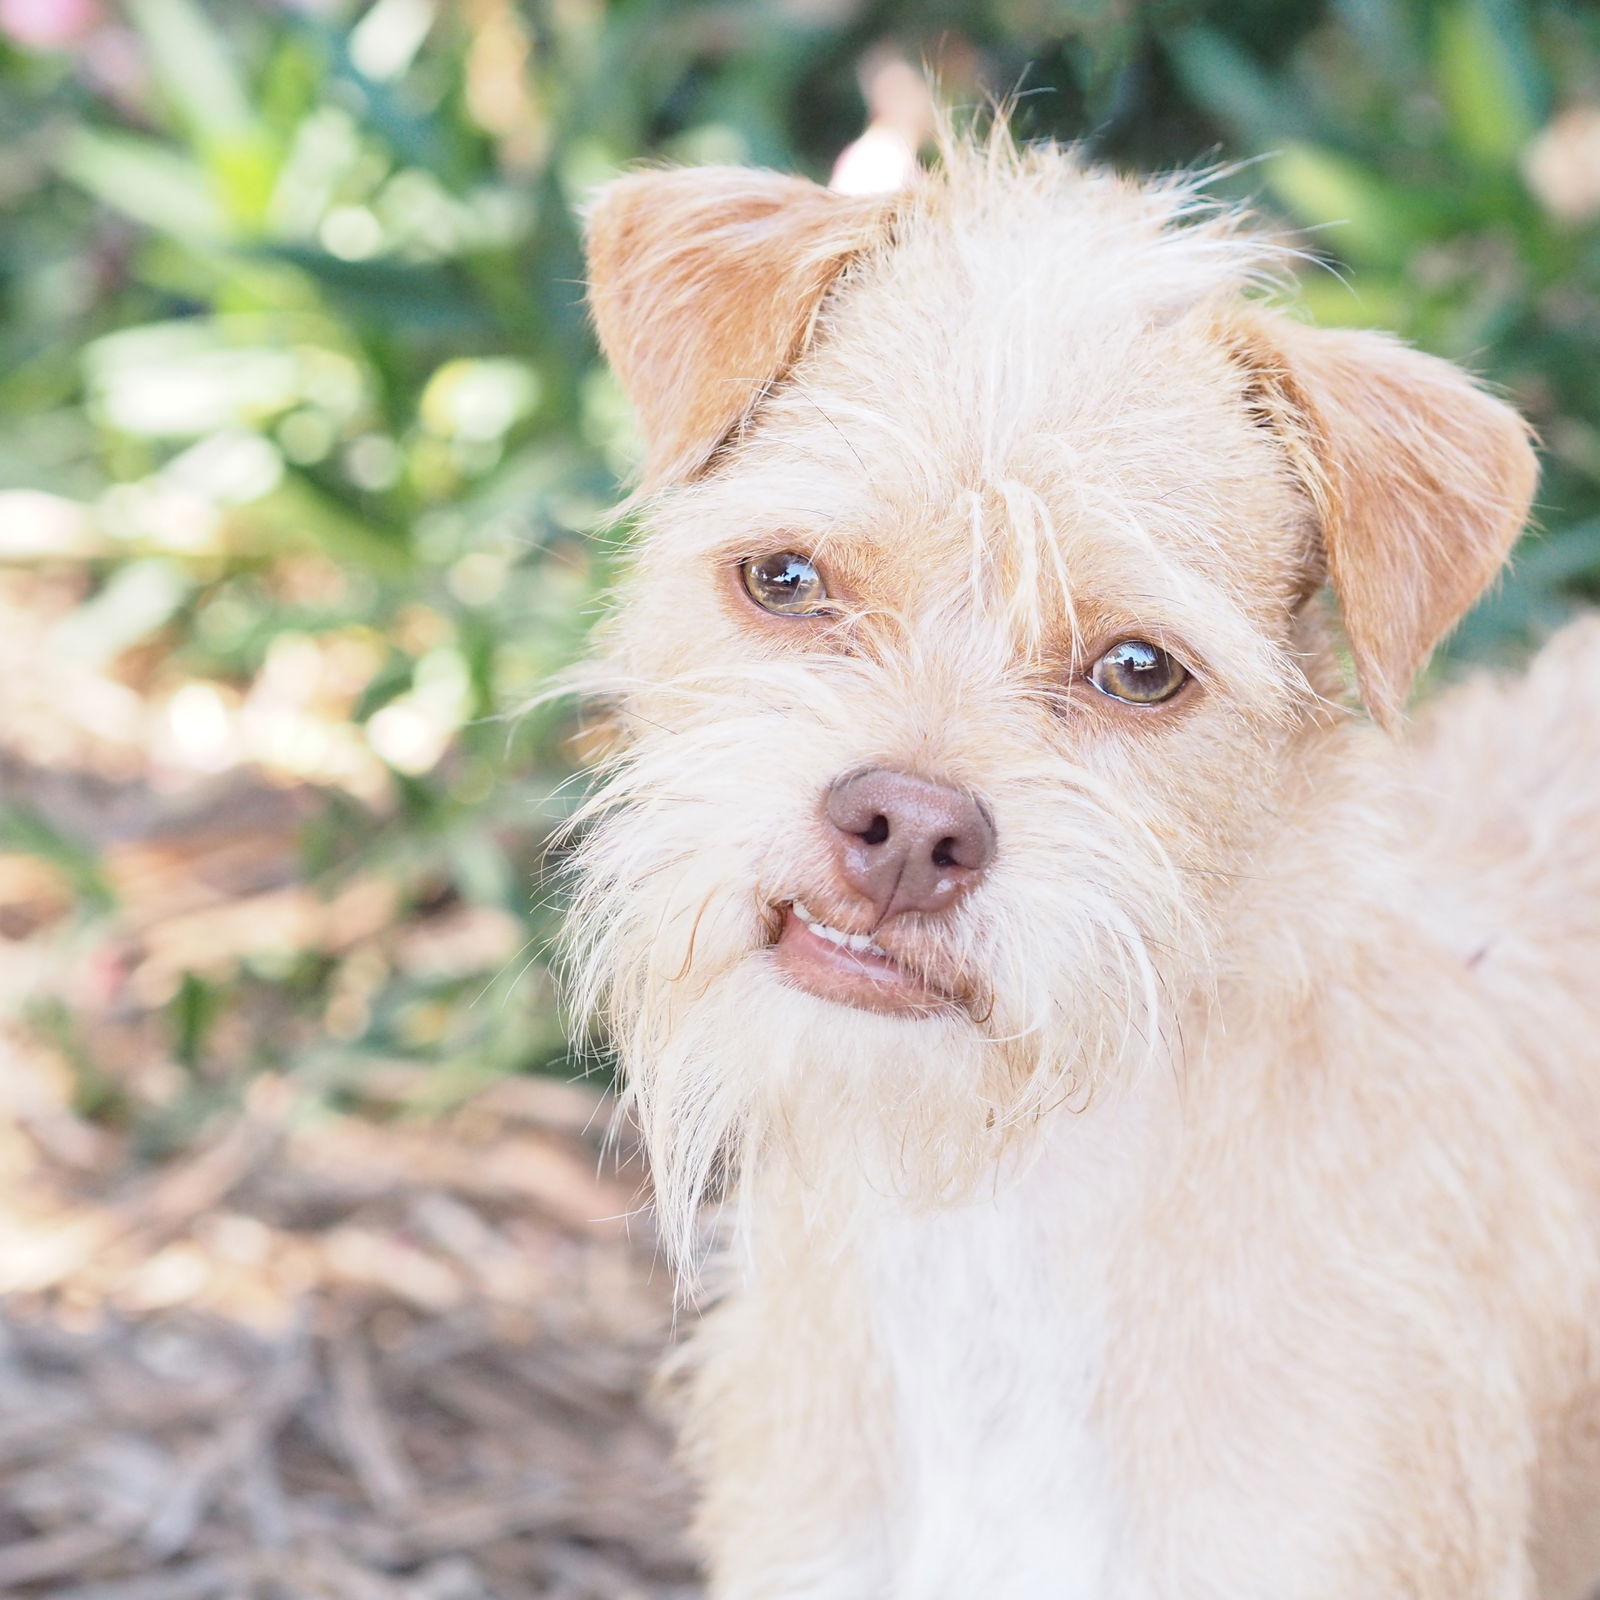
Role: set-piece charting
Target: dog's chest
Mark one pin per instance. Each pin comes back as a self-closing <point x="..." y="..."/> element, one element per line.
<point x="992" y="1322"/>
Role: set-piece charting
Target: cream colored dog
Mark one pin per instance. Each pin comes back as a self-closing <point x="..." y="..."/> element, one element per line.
<point x="1154" y="1108"/>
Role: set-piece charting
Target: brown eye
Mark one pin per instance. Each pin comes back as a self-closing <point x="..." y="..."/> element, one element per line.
<point x="786" y="583"/>
<point x="1138" y="672"/>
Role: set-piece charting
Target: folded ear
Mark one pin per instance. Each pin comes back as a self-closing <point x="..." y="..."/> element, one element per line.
<point x="1421" y="482"/>
<point x="705" y="285"/>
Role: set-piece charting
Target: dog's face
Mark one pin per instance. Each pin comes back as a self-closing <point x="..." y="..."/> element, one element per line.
<point x="970" y="636"/>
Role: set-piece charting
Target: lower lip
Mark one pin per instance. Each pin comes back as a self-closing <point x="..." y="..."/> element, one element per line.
<point x="849" y="977"/>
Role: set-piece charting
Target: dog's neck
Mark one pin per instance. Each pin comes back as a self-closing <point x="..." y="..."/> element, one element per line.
<point x="969" y="1338"/>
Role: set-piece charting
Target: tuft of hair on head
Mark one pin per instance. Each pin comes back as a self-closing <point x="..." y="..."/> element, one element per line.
<point x="1421" y="481"/>
<point x="706" y="283"/>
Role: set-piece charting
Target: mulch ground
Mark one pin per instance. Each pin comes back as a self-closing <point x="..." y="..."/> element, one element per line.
<point x="336" y="1355"/>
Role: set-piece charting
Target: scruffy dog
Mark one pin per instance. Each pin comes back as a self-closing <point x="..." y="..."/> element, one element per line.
<point x="1154" y="1106"/>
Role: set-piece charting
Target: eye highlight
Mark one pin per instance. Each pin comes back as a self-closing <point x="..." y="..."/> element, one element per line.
<point x="1138" y="673"/>
<point x="786" y="583"/>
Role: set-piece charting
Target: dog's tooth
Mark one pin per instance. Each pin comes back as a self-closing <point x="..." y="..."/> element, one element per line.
<point x="861" y="943"/>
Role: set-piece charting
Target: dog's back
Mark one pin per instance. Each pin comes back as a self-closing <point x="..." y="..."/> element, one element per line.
<point x="1508" y="829"/>
<point x="1507" y="823"/>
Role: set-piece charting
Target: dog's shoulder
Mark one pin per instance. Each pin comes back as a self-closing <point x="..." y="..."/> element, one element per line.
<point x="1507" y="787"/>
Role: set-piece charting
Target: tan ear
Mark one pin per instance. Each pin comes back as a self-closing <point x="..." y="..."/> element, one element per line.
<point x="1421" y="482"/>
<point x="705" y="284"/>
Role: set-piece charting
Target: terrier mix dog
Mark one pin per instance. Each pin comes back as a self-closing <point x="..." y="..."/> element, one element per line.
<point x="1154" y="1109"/>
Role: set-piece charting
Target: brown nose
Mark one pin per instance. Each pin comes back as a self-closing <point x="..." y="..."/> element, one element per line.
<point x="906" y="844"/>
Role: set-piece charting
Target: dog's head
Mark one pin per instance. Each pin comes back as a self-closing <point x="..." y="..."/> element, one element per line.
<point x="970" y="638"/>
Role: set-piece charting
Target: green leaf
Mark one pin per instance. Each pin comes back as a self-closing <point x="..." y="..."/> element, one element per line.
<point x="245" y="173"/>
<point x="300" y="506"/>
<point x="1387" y="33"/>
<point x="138" y="598"/>
<point x="1362" y="299"/>
<point x="1229" y="84"/>
<point x="143" y="180"/>
<point x="1487" y="82"/>
<point x="192" y="1011"/>
<point x="1358" y="213"/>
<point x="191" y="62"/>
<point x="192" y="65"/>
<point x="390" y="292"/>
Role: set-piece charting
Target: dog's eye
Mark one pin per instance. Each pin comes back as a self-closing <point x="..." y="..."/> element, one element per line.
<point x="1138" y="672"/>
<point x="786" y="583"/>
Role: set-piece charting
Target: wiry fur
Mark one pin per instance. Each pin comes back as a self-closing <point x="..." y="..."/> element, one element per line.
<point x="1239" y="1234"/>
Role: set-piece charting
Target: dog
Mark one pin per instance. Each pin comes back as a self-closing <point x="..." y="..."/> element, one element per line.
<point x="1130" y="1102"/>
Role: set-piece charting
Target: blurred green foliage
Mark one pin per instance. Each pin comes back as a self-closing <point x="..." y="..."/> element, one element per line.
<point x="291" y="334"/>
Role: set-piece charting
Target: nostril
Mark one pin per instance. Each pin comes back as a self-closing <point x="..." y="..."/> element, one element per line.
<point x="944" y="853"/>
<point x="877" y="831"/>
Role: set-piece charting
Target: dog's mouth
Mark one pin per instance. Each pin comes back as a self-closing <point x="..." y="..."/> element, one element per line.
<point x="852" y="969"/>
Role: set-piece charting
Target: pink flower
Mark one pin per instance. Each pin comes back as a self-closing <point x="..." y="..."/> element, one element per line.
<point x="49" y="24"/>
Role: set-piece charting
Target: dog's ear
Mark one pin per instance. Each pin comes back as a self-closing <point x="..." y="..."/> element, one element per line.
<point x="705" y="285"/>
<point x="1421" y="482"/>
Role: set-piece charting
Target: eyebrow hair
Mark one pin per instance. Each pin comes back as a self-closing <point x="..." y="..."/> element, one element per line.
<point x="1080" y="587"/>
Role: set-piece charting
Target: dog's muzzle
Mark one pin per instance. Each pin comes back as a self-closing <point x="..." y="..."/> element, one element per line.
<point x="899" y="852"/>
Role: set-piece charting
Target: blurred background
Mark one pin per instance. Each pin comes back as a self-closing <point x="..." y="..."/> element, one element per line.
<point x="313" y="1281"/>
